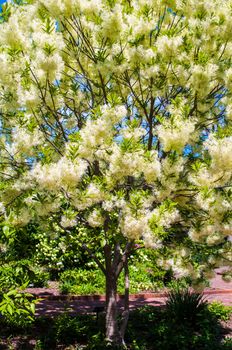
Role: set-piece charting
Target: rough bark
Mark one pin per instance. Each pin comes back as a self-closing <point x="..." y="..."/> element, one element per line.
<point x="112" y="329"/>
<point x="125" y="314"/>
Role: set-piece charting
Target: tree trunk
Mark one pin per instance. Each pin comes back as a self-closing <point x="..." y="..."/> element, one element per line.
<point x="113" y="335"/>
<point x="125" y="314"/>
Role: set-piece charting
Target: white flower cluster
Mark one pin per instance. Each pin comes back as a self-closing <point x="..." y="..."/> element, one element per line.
<point x="92" y="195"/>
<point x="112" y="23"/>
<point x="97" y="133"/>
<point x="64" y="173"/>
<point x="132" y="227"/>
<point x="201" y="78"/>
<point x="11" y="33"/>
<point x="48" y="67"/>
<point x="95" y="219"/>
<point x="20" y="219"/>
<point x="45" y="208"/>
<point x="220" y="151"/>
<point x="171" y="172"/>
<point x="2" y="208"/>
<point x="61" y="7"/>
<point x="68" y="222"/>
<point x="168" y="46"/>
<point x="134" y="134"/>
<point x="175" y="135"/>
<point x="113" y="203"/>
<point x="211" y="233"/>
<point x="215" y="204"/>
<point x="152" y="168"/>
<point x="219" y="171"/>
<point x="179" y="265"/>
<point x="23" y="141"/>
<point x="164" y="218"/>
<point x="124" y="164"/>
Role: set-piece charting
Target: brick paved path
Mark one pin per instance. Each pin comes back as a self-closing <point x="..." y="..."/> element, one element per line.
<point x="54" y="303"/>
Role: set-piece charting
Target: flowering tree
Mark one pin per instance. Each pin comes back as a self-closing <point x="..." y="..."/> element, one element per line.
<point x="116" y="127"/>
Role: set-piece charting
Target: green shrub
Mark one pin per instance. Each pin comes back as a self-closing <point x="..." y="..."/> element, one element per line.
<point x="149" y="328"/>
<point x="187" y="323"/>
<point x="220" y="311"/>
<point x="21" y="272"/>
<point x="226" y="344"/>
<point x="82" y="282"/>
<point x="18" y="308"/>
<point x="185" y="306"/>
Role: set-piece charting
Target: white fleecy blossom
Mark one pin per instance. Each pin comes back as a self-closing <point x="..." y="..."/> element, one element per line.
<point x="2" y="208"/>
<point x="132" y="227"/>
<point x="220" y="151"/>
<point x="213" y="233"/>
<point x="175" y="135"/>
<point x="112" y="23"/>
<point x="92" y="195"/>
<point x="48" y="67"/>
<point x="164" y="218"/>
<point x="216" y="204"/>
<point x="98" y="133"/>
<point x="23" y="141"/>
<point x="152" y="168"/>
<point x="171" y="171"/>
<point x="218" y="173"/>
<point x="22" y="218"/>
<point x="62" y="7"/>
<point x="113" y="203"/>
<point x="95" y="219"/>
<point x="63" y="173"/>
<point x="168" y="46"/>
<point x="68" y="222"/>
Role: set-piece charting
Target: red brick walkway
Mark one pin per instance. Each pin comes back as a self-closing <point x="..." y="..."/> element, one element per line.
<point x="54" y="303"/>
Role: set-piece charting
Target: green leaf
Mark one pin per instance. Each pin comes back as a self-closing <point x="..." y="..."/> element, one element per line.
<point x="9" y="309"/>
<point x="32" y="307"/>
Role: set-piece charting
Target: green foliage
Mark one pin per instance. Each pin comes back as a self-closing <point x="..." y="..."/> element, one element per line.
<point x="144" y="275"/>
<point x="150" y="328"/>
<point x="185" y="306"/>
<point x="168" y="330"/>
<point x="5" y="12"/>
<point x="19" y="243"/>
<point x="18" y="308"/>
<point x="20" y="272"/>
<point x="82" y="282"/>
<point x="67" y="329"/>
<point x="70" y="330"/>
<point x="220" y="311"/>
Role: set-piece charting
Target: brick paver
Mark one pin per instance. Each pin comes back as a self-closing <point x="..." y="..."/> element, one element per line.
<point x="54" y="303"/>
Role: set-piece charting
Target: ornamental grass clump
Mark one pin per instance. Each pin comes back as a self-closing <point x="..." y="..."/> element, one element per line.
<point x="185" y="306"/>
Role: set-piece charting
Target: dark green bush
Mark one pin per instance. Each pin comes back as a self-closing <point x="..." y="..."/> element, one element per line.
<point x="188" y="322"/>
<point x="184" y="306"/>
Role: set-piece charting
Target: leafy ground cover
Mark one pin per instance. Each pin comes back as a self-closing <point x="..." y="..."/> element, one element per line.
<point x="186" y="323"/>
